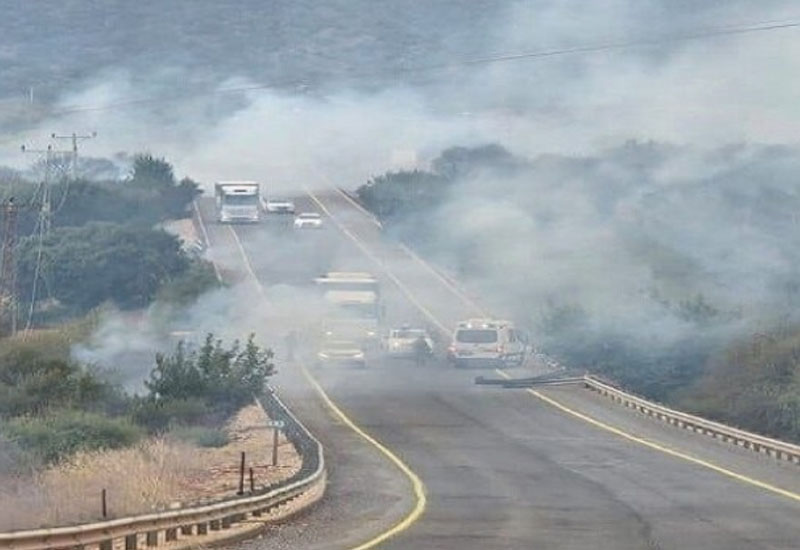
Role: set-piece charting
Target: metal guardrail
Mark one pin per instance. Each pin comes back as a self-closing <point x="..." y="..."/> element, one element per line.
<point x="748" y="440"/>
<point x="194" y="522"/>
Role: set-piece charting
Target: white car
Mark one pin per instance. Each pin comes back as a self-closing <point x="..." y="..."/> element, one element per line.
<point x="488" y="343"/>
<point x="279" y="206"/>
<point x="308" y="220"/>
<point x="342" y="352"/>
<point x="401" y="342"/>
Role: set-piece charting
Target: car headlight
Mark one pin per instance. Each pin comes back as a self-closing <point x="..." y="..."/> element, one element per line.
<point x="395" y="345"/>
<point x="359" y="355"/>
<point x="370" y="333"/>
<point x="322" y="355"/>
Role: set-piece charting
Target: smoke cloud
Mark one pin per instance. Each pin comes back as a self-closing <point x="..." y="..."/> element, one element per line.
<point x="652" y="174"/>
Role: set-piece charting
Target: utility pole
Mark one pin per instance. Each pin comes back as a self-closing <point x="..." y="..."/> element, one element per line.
<point x="74" y="155"/>
<point x="8" y="270"/>
<point x="45" y="210"/>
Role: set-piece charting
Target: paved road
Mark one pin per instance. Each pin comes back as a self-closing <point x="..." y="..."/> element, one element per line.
<point x="504" y="469"/>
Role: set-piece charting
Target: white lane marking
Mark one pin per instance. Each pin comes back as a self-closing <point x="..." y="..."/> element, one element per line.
<point x="654" y="445"/>
<point x="379" y="263"/>
<point x="360" y="208"/>
<point x="206" y="237"/>
<point x="247" y="263"/>
<point x="413" y="255"/>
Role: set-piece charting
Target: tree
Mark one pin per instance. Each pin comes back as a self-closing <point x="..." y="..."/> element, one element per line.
<point x="458" y="162"/>
<point x="157" y="175"/>
<point x="151" y="172"/>
<point x="225" y="378"/>
<point x="83" y="267"/>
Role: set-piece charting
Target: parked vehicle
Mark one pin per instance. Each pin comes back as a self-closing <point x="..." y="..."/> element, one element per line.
<point x="279" y="206"/>
<point x="404" y="341"/>
<point x="347" y="352"/>
<point x="308" y="220"/>
<point x="487" y="343"/>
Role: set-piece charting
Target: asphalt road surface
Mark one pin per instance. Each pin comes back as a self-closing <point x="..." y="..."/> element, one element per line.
<point x="502" y="469"/>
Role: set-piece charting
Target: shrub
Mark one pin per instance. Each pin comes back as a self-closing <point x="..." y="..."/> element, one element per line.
<point x="186" y="287"/>
<point x="101" y="262"/>
<point x="158" y="415"/>
<point x="32" y="381"/>
<point x="57" y="435"/>
<point x="201" y="436"/>
<point x="225" y="378"/>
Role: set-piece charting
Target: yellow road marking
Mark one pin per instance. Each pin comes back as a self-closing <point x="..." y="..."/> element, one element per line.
<point x="416" y="482"/>
<point x="658" y="446"/>
<point x="594" y="422"/>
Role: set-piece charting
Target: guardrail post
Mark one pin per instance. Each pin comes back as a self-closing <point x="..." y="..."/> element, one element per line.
<point x="241" y="475"/>
<point x="227" y="521"/>
<point x="171" y="535"/>
<point x="186" y="529"/>
<point x="202" y="528"/>
<point x="214" y="525"/>
<point x="131" y="542"/>
<point x="152" y="538"/>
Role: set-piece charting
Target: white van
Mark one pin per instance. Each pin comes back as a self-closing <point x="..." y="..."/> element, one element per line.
<point x="488" y="342"/>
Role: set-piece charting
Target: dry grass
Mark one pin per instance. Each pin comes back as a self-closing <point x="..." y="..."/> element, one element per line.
<point x="156" y="474"/>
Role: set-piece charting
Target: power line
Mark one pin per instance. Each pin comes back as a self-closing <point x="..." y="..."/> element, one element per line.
<point x="708" y="33"/>
<point x="8" y="272"/>
<point x="74" y="138"/>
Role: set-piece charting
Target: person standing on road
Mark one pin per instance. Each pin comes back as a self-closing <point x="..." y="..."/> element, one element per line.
<point x="421" y="350"/>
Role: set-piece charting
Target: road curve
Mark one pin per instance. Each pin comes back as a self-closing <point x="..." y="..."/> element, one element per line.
<point x="506" y="470"/>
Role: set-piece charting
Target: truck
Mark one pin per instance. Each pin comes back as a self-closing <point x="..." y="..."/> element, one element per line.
<point x="353" y="309"/>
<point x="238" y="201"/>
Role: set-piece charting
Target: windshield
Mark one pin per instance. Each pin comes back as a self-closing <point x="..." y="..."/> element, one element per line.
<point x="241" y="200"/>
<point x="476" y="336"/>
<point x="355" y="311"/>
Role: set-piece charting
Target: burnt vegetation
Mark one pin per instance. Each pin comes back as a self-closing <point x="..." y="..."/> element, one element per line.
<point x="659" y="285"/>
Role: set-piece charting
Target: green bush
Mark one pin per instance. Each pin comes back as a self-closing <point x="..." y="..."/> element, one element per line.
<point x="201" y="436"/>
<point x="158" y="415"/>
<point x="225" y="378"/>
<point x="59" y="434"/>
<point x="186" y="287"/>
<point x="101" y="262"/>
<point x="754" y="384"/>
<point x="32" y="382"/>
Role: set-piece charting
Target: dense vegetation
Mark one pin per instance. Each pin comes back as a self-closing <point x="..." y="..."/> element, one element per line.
<point x="104" y="245"/>
<point x="52" y="406"/>
<point x="618" y="273"/>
